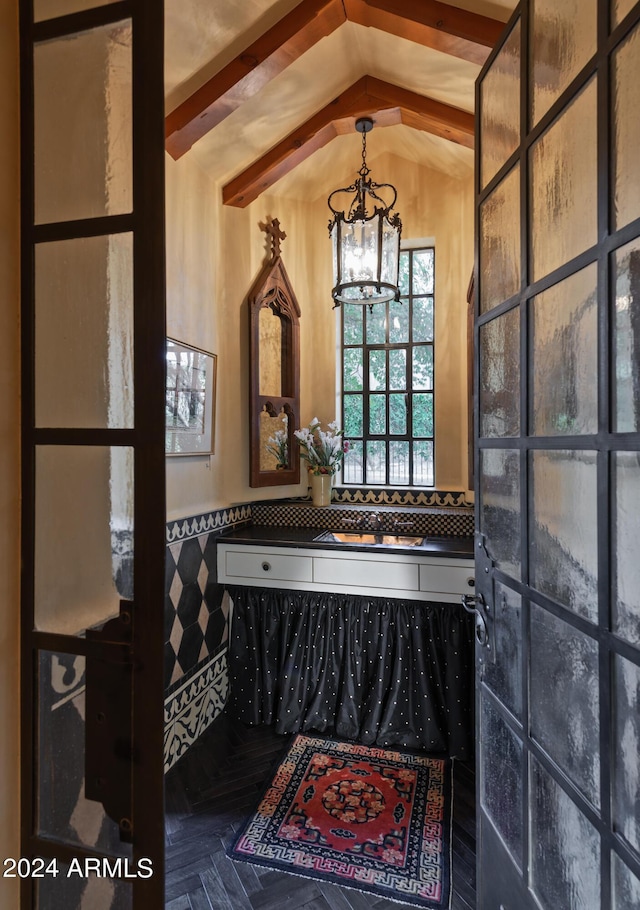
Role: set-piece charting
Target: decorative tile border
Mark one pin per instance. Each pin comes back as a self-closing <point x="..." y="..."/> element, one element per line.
<point x="194" y="705"/>
<point x="391" y="497"/>
<point x="219" y="520"/>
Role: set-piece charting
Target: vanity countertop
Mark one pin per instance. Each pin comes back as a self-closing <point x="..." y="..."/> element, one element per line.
<point x="284" y="536"/>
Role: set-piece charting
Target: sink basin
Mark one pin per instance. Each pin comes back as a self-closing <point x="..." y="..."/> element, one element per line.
<point x="370" y="538"/>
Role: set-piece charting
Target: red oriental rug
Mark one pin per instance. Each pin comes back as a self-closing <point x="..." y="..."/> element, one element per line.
<point x="378" y="820"/>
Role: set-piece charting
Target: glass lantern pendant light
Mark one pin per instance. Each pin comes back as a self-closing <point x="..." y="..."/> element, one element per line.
<point x="366" y="238"/>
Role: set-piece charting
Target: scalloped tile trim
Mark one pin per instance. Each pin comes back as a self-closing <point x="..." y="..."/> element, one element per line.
<point x="183" y="528"/>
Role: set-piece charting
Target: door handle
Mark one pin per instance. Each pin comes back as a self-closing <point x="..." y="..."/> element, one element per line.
<point x="475" y="604"/>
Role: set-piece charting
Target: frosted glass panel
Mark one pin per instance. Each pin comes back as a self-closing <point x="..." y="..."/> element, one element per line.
<point x="563" y="186"/>
<point x="500" y="107"/>
<point x="83" y="535"/>
<point x="564" y="671"/>
<point x="563" y="39"/>
<point x="626" y="749"/>
<point x="69" y="892"/>
<point x="619" y="9"/>
<point x="48" y="9"/>
<point x="503" y="673"/>
<point x="565" y="848"/>
<point x="63" y="810"/>
<point x="563" y="529"/>
<point x="84" y="332"/>
<point x="500" y="242"/>
<point x="626" y="352"/>
<point x="625" y="886"/>
<point x="83" y="138"/>
<point x="501" y="778"/>
<point x="500" y="375"/>
<point x="500" y="512"/>
<point x="564" y="348"/>
<point x="626" y="130"/>
<point x="626" y="599"/>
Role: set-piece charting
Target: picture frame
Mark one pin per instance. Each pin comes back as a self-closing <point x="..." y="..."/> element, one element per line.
<point x="190" y="400"/>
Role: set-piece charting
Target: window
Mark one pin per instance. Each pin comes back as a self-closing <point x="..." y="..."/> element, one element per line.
<point x="387" y="381"/>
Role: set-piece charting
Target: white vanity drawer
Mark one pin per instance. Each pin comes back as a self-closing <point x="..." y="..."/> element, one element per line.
<point x="446" y="579"/>
<point x="375" y="575"/>
<point x="243" y="563"/>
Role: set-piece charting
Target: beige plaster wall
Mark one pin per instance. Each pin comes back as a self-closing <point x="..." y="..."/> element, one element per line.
<point x="9" y="450"/>
<point x="214" y="254"/>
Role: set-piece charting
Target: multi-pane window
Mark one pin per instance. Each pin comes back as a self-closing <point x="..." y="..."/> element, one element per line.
<point x="387" y="381"/>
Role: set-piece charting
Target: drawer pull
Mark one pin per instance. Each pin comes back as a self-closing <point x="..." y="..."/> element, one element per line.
<point x="471" y="582"/>
<point x="266" y="566"/>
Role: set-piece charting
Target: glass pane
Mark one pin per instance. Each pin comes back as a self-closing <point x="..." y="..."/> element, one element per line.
<point x="353" y="371"/>
<point x="397" y="369"/>
<point x="376" y="462"/>
<point x="353" y="420"/>
<point x="423" y="367"/>
<point x="423" y="278"/>
<point x="625" y="885"/>
<point x="500" y="242"/>
<point x="564" y="346"/>
<point x="564" y="671"/>
<point x="626" y="748"/>
<point x="619" y="9"/>
<point x="564" y="563"/>
<point x="500" y="375"/>
<point x="565" y="848"/>
<point x="626" y="587"/>
<point x="83" y="134"/>
<point x="403" y="273"/>
<point x="83" y="535"/>
<point x="422" y="328"/>
<point x="376" y="320"/>
<point x="378" y="414"/>
<point x="68" y="891"/>
<point x="626" y="352"/>
<point x="500" y="511"/>
<point x="501" y="761"/>
<point x="500" y="107"/>
<point x="353" y="470"/>
<point x="626" y="130"/>
<point x="503" y="674"/>
<point x="423" y="467"/>
<point x="398" y="414"/>
<point x="352" y="316"/>
<point x="84" y="332"/>
<point x="399" y="463"/>
<point x="48" y="9"/>
<point x="563" y="39"/>
<point x="563" y="186"/>
<point x="398" y="322"/>
<point x="377" y="370"/>
<point x="63" y="811"/>
<point x="422" y="414"/>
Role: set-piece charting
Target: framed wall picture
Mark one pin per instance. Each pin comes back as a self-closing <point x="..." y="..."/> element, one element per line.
<point x="190" y="400"/>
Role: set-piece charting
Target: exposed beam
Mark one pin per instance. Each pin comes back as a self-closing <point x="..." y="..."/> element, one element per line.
<point x="287" y="40"/>
<point x="429" y="22"/>
<point x="388" y="104"/>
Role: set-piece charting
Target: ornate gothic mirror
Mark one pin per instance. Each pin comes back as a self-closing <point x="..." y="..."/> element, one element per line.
<point x="274" y="373"/>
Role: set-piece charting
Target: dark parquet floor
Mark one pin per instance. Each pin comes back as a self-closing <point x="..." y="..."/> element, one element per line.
<point x="210" y="792"/>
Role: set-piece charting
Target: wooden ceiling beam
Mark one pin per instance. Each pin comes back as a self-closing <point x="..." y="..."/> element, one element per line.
<point x="387" y="104"/>
<point x="287" y="40"/>
<point x="429" y="22"/>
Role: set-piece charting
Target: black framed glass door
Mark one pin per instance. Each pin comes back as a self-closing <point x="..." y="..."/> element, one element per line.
<point x="558" y="452"/>
<point x="93" y="520"/>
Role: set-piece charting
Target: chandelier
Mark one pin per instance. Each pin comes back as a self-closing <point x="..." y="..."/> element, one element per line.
<point x="365" y="238"/>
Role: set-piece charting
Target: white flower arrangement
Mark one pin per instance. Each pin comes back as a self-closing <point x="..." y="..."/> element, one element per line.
<point x="277" y="445"/>
<point x="322" y="450"/>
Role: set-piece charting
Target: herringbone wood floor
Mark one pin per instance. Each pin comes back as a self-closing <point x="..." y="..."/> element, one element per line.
<point x="211" y="791"/>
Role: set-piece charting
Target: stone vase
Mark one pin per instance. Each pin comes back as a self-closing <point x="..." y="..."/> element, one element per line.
<point x="321" y="489"/>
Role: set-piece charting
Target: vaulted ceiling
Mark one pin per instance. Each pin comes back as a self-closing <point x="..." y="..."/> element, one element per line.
<point x="263" y="92"/>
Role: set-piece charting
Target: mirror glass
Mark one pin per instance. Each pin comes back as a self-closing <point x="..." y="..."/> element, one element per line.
<point x="274" y="439"/>
<point x="270" y="329"/>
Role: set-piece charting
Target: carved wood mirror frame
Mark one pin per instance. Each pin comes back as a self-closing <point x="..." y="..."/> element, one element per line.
<point x="268" y="411"/>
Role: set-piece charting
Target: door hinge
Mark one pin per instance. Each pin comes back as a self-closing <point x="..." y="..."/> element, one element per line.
<point x="108" y="732"/>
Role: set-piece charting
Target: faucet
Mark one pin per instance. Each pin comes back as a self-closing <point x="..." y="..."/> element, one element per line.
<point x="374" y="521"/>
